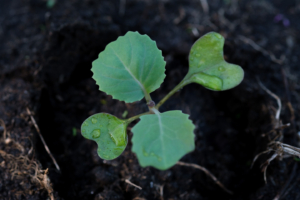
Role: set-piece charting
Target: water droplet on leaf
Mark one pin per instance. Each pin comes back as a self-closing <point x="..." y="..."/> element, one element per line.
<point x="221" y="69"/>
<point x="201" y="63"/>
<point x="96" y="133"/>
<point x="94" y="120"/>
<point x="113" y="139"/>
<point x="145" y="153"/>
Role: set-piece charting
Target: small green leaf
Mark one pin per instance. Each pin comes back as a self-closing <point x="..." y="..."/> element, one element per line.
<point x="161" y="139"/>
<point x="50" y="3"/>
<point x="129" y="67"/>
<point x="108" y="131"/>
<point x="103" y="101"/>
<point x="125" y="113"/>
<point x="74" y="131"/>
<point x="296" y="159"/>
<point x="207" y="66"/>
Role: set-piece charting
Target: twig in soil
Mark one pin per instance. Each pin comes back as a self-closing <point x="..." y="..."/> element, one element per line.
<point x="277" y="116"/>
<point x="205" y="6"/>
<point x="288" y="149"/>
<point x="266" y="164"/>
<point x="281" y="150"/>
<point x="22" y="166"/>
<point x="286" y="84"/>
<point x="262" y="50"/>
<point x="276" y="129"/>
<point x="207" y="173"/>
<point x="161" y="191"/>
<point x="42" y="138"/>
<point x="225" y="22"/>
<point x="292" y="111"/>
<point x="7" y="139"/>
<point x="279" y="135"/>
<point x="134" y="185"/>
<point x="289" y="104"/>
<point x="139" y="198"/>
<point x="2" y="124"/>
<point x="257" y="156"/>
<point x="178" y="19"/>
<point x="46" y="183"/>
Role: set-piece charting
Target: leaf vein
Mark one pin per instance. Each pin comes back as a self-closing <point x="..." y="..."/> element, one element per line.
<point x="142" y="70"/>
<point x="138" y="82"/>
<point x="160" y="136"/>
<point x="154" y="60"/>
<point x="115" y="78"/>
<point x="105" y="65"/>
<point x="174" y="137"/>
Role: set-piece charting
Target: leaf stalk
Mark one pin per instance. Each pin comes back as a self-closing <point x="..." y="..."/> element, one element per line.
<point x="183" y="83"/>
<point x="131" y="119"/>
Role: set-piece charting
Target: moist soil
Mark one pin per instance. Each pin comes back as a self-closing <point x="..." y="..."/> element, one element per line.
<point x="45" y="61"/>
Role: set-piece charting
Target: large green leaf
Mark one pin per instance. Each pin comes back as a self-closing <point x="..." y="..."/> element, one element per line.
<point x="161" y="139"/>
<point x="108" y="131"/>
<point x="208" y="67"/>
<point x="129" y="67"/>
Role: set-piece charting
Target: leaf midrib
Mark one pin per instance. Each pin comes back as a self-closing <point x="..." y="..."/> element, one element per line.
<point x="157" y="113"/>
<point x="142" y="87"/>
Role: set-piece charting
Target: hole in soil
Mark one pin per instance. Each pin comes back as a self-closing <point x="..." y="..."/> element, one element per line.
<point x="228" y="136"/>
<point x="58" y="116"/>
<point x="73" y="153"/>
<point x="68" y="98"/>
<point x="230" y="131"/>
<point x="247" y="118"/>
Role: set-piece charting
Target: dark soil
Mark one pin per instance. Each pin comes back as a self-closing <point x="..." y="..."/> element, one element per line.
<point x="45" y="62"/>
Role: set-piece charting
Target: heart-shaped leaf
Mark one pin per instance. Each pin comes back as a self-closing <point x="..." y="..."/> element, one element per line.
<point x="208" y="67"/>
<point x="161" y="139"/>
<point x="129" y="67"/>
<point x="108" y="131"/>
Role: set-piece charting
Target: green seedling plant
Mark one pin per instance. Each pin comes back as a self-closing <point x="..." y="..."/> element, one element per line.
<point x="132" y="67"/>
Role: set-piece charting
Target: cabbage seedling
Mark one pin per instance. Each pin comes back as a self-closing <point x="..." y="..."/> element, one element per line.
<point x="132" y="67"/>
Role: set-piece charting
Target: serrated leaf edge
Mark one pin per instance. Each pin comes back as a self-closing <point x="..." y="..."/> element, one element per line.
<point x="186" y="116"/>
<point x="155" y="86"/>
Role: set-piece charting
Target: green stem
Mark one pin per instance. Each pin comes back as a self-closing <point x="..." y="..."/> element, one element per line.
<point x="148" y="100"/>
<point x="183" y="83"/>
<point x="154" y="109"/>
<point x="131" y="119"/>
<point x="147" y="96"/>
